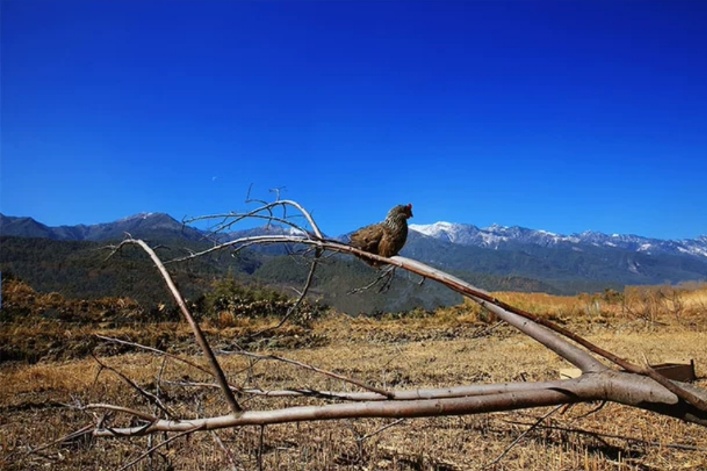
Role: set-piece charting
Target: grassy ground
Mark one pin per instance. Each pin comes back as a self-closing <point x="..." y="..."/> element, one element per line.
<point x="459" y="345"/>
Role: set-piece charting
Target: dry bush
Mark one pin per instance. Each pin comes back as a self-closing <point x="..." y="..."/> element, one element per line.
<point x="686" y="304"/>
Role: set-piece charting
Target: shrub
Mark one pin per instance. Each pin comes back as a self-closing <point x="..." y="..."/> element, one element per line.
<point x="229" y="300"/>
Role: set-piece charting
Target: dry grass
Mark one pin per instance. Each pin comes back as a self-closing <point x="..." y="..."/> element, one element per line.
<point x="449" y="347"/>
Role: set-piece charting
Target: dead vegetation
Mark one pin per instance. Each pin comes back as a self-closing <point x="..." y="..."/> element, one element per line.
<point x="457" y="345"/>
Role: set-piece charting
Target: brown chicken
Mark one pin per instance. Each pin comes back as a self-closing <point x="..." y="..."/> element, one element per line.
<point x="385" y="238"/>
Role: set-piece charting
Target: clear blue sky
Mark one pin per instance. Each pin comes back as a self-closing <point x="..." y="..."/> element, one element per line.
<point x="558" y="115"/>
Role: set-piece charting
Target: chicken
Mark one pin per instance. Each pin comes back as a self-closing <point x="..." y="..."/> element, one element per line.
<point x="385" y="238"/>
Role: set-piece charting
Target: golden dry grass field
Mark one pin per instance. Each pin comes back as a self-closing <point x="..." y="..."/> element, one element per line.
<point x="453" y="346"/>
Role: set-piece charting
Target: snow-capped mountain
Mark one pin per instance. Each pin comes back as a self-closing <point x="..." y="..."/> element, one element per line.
<point x="499" y="237"/>
<point x="137" y="217"/>
<point x="490" y="237"/>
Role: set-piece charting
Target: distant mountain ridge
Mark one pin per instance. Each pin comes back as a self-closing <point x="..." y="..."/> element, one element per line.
<point x="144" y="225"/>
<point x="561" y="263"/>
<point x="492" y="237"/>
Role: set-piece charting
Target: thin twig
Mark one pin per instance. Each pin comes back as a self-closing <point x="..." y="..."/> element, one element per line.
<point x="156" y="350"/>
<point x="244" y="242"/>
<point x="159" y="445"/>
<point x="306" y="366"/>
<point x="579" y="431"/>
<point x="520" y="437"/>
<point x="261" y="446"/>
<point x="486" y="330"/>
<point x="298" y="301"/>
<point x="386" y="274"/>
<point x="226" y="451"/>
<point x="135" y="412"/>
<point x="87" y="430"/>
<point x="376" y="432"/>
<point x="151" y="398"/>
<point x="267" y="208"/>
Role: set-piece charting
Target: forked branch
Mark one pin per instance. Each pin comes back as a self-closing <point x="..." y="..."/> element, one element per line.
<point x="638" y="386"/>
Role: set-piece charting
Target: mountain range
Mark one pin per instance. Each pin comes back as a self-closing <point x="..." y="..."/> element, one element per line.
<point x="495" y="237"/>
<point x="503" y="257"/>
<point x="499" y="237"/>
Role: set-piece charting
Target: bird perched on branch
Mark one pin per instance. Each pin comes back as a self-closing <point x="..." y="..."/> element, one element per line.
<point x="385" y="238"/>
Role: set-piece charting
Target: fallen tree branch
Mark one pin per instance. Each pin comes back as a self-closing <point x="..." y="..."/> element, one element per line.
<point x="410" y="394"/>
<point x="625" y="388"/>
<point x="639" y="387"/>
<point x="506" y="312"/>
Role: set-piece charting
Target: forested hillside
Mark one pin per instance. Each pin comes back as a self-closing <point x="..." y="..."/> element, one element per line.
<point x="91" y="270"/>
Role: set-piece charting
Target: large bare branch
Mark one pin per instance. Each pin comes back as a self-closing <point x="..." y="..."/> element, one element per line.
<point x="514" y="316"/>
<point x="646" y="389"/>
<point x="413" y="394"/>
<point x="619" y="387"/>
